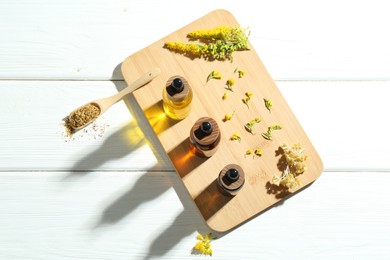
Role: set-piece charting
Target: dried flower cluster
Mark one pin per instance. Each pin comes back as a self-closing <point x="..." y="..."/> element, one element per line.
<point x="82" y="117"/>
<point x="203" y="246"/>
<point x="219" y="43"/>
<point x="294" y="166"/>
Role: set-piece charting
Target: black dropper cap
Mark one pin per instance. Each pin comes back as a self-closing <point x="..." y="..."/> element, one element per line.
<point x="232" y="175"/>
<point x="177" y="85"/>
<point x="206" y="128"/>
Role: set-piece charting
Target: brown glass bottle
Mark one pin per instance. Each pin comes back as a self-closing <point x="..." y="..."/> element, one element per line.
<point x="177" y="98"/>
<point x="205" y="137"/>
<point x="231" y="179"/>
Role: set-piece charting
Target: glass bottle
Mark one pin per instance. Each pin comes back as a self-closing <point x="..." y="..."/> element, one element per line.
<point x="231" y="179"/>
<point x="205" y="137"/>
<point x="177" y="98"/>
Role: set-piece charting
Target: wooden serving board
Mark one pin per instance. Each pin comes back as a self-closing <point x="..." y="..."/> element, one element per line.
<point x="199" y="175"/>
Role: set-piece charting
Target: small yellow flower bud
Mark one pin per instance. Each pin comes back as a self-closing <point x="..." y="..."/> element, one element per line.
<point x="225" y="95"/>
<point x="235" y="136"/>
<point x="228" y="117"/>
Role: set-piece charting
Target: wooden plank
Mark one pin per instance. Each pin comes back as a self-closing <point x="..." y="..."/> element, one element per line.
<point x="138" y="215"/>
<point x="80" y="40"/>
<point x="199" y="174"/>
<point x="33" y="135"/>
<point x="26" y="145"/>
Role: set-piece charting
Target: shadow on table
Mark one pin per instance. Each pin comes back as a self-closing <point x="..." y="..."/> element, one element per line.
<point x="122" y="206"/>
<point x="115" y="146"/>
<point x="183" y="225"/>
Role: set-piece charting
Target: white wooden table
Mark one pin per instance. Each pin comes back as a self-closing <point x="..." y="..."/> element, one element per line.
<point x="116" y="196"/>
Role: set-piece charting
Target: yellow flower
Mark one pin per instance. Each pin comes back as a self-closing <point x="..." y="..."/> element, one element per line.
<point x="258" y="152"/>
<point x="241" y="73"/>
<point x="225" y="95"/>
<point x="235" y="136"/>
<point x="268" y="135"/>
<point x="203" y="246"/>
<point x="230" y="83"/>
<point x="248" y="152"/>
<point x="249" y="126"/>
<point x="228" y="117"/>
<point x="199" y="237"/>
<point x="268" y="104"/>
<point x="248" y="97"/>
<point x="214" y="75"/>
<point x="191" y="49"/>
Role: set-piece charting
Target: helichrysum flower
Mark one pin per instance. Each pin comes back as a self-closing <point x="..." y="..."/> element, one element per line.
<point x="203" y="246"/>
<point x="295" y="165"/>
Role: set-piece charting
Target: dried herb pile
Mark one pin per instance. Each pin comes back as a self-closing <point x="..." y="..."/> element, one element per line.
<point x="82" y="116"/>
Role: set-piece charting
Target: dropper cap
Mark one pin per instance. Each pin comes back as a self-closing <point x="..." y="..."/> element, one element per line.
<point x="206" y="128"/>
<point x="177" y="88"/>
<point x="177" y="85"/>
<point x="232" y="175"/>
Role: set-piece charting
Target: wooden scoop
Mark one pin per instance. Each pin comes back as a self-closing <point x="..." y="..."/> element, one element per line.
<point x="86" y="114"/>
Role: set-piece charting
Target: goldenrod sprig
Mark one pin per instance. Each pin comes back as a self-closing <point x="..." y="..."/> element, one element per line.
<point x="230" y="83"/>
<point x="268" y="104"/>
<point x="225" y="96"/>
<point x="203" y="246"/>
<point x="247" y="98"/>
<point x="268" y="135"/>
<point x="256" y="153"/>
<point x="220" y="43"/>
<point x="214" y="75"/>
<point x="241" y="73"/>
<point x="249" y="126"/>
<point x="236" y="136"/>
<point x="227" y="34"/>
<point x="248" y="152"/>
<point x="228" y="117"/>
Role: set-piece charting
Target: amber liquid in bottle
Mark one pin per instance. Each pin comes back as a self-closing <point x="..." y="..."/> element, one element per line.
<point x="177" y="98"/>
<point x="205" y="137"/>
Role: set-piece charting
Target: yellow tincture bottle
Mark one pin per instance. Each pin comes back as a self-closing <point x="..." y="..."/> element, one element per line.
<point x="177" y="98"/>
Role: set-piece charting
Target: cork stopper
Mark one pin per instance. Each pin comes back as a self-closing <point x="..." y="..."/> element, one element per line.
<point x="205" y="131"/>
<point x="231" y="178"/>
<point x="177" y="88"/>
